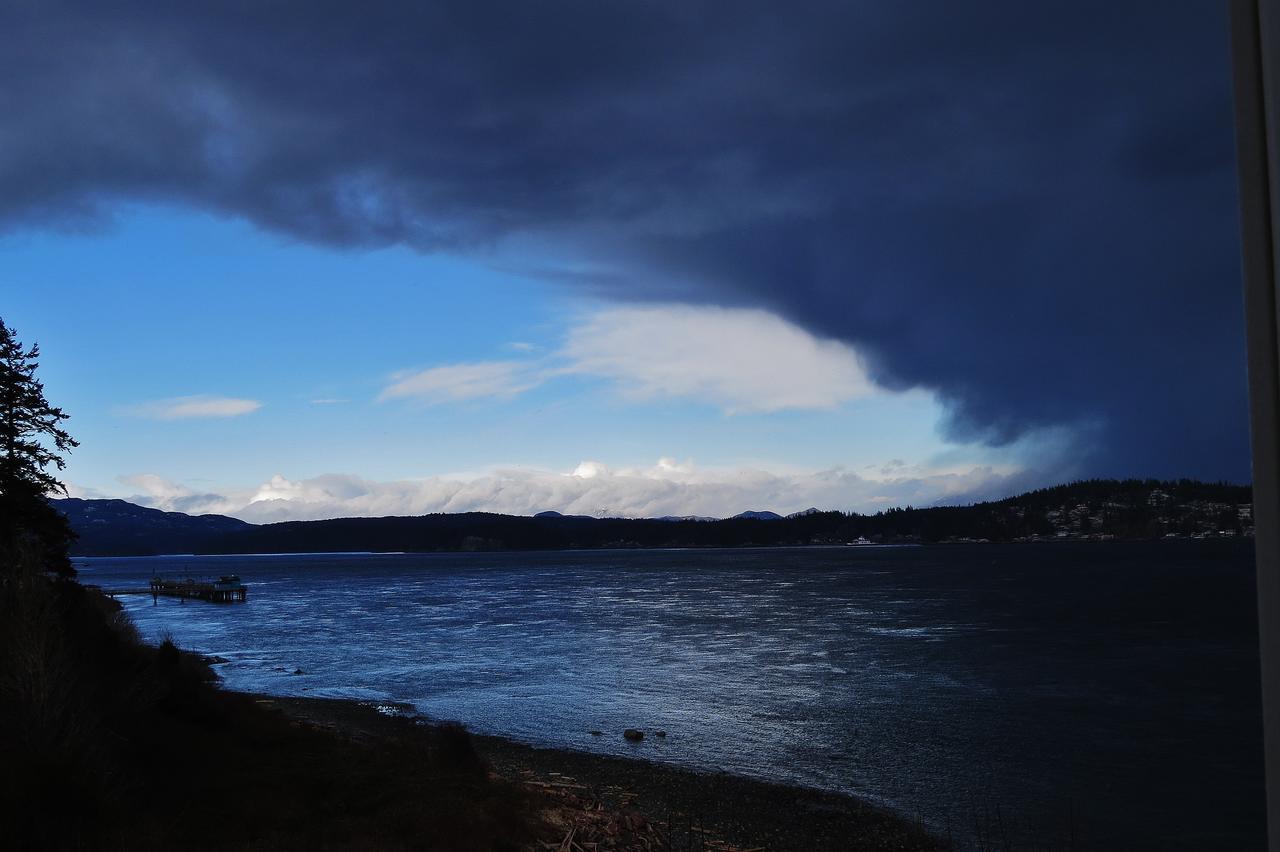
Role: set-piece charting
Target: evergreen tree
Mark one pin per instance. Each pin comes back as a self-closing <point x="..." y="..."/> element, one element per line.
<point x="32" y="441"/>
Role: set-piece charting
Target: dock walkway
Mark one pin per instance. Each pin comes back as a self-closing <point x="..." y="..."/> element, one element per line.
<point x="223" y="591"/>
<point x="227" y="589"/>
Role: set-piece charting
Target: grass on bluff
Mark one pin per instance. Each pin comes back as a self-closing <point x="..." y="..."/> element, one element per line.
<point x="107" y="743"/>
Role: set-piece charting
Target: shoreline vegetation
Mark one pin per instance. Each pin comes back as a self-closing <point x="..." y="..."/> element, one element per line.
<point x="117" y="744"/>
<point x="1093" y="510"/>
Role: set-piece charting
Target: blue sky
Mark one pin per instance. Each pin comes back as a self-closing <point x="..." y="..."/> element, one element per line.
<point x="162" y="304"/>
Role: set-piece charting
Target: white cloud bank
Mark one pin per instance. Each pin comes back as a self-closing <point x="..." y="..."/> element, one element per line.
<point x="192" y="407"/>
<point x="666" y="488"/>
<point x="739" y="360"/>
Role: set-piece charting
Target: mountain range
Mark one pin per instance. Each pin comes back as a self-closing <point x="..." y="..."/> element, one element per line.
<point x="1093" y="509"/>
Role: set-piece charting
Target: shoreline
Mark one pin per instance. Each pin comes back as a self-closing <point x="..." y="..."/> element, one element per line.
<point x="686" y="808"/>
<point x="888" y="545"/>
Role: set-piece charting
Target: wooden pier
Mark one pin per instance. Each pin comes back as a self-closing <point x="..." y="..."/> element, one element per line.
<point x="227" y="589"/>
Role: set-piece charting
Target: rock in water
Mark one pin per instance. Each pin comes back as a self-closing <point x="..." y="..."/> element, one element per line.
<point x="633" y="735"/>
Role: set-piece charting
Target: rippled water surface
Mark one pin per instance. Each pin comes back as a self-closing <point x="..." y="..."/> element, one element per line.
<point x="1106" y="691"/>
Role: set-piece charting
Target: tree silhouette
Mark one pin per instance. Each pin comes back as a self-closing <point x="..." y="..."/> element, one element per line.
<point x="32" y="441"/>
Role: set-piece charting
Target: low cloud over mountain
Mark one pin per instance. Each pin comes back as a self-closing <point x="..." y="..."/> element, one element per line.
<point x="666" y="489"/>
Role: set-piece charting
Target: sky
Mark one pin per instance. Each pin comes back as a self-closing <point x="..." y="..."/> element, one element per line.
<point x="306" y="260"/>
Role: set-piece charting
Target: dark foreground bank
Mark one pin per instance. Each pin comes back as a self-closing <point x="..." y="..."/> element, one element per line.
<point x="590" y="801"/>
<point x="108" y="743"/>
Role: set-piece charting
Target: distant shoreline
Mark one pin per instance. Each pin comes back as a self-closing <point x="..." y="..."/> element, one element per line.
<point x="1127" y="510"/>
<point x="852" y="547"/>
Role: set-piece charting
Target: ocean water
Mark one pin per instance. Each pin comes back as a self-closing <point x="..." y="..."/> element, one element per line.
<point x="1080" y="695"/>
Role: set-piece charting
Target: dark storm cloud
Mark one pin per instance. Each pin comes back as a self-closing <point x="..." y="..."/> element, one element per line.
<point x="1027" y="208"/>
